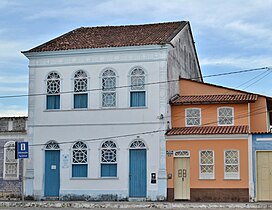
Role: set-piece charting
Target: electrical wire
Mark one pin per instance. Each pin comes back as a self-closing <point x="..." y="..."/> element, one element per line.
<point x="146" y="84"/>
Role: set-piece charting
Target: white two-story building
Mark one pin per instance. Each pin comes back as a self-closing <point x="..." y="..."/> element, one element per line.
<point x="99" y="108"/>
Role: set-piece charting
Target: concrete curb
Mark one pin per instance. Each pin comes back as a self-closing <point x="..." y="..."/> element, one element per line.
<point x="134" y="205"/>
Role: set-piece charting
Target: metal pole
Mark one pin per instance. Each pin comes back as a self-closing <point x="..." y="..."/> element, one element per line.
<point x="23" y="180"/>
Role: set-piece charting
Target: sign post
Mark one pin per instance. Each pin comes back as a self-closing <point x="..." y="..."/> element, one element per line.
<point x="21" y="152"/>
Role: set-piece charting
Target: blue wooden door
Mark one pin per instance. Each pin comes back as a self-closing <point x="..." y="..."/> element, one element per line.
<point x="137" y="173"/>
<point x="52" y="173"/>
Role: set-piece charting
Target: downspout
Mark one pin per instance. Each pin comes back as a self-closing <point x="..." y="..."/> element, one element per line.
<point x="248" y="116"/>
<point x="250" y="165"/>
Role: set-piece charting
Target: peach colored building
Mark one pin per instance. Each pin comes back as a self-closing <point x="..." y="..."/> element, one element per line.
<point x="207" y="146"/>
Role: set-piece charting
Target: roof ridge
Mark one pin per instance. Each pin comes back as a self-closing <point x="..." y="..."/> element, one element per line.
<point x="112" y="36"/>
<point x="142" y="24"/>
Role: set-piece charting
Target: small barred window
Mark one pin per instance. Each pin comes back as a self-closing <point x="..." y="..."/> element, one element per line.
<point x="206" y="164"/>
<point x="193" y="117"/>
<point x="225" y="116"/>
<point x="11" y="165"/>
<point x="232" y="164"/>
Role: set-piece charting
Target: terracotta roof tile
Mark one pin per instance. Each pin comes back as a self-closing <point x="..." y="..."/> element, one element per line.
<point x="202" y="99"/>
<point x="243" y="129"/>
<point x="113" y="36"/>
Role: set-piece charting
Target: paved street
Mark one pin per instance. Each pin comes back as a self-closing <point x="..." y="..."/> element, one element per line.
<point x="29" y="208"/>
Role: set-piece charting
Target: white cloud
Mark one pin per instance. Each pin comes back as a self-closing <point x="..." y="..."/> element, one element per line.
<point x="13" y="112"/>
<point x="239" y="62"/>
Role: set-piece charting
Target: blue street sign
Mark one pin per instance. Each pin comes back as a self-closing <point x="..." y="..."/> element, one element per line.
<point x="21" y="149"/>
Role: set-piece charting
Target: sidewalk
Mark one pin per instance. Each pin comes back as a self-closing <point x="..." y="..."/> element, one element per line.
<point x="133" y="205"/>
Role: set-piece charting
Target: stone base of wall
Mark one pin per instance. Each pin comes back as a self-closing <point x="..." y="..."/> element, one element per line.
<point x="214" y="195"/>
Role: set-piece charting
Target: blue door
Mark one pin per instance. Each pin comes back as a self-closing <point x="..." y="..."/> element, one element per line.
<point x="52" y="173"/>
<point x="137" y="173"/>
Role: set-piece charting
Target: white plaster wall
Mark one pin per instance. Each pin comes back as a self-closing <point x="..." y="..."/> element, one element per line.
<point x="71" y="125"/>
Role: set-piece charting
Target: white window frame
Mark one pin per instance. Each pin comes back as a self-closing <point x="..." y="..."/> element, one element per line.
<point x="232" y="175"/>
<point x="108" y="91"/>
<point x="225" y="107"/>
<point x="80" y="92"/>
<point x="200" y="118"/>
<point x="56" y="94"/>
<point x="5" y="177"/>
<point x="206" y="175"/>
<point x="137" y="90"/>
<point x="109" y="162"/>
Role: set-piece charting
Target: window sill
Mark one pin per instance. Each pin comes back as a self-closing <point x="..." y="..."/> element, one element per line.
<point x="205" y="179"/>
<point x="232" y="179"/>
<point x="98" y="109"/>
<point x="11" y="179"/>
<point x="99" y="178"/>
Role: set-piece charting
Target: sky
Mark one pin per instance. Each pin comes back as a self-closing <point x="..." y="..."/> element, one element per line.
<point x="229" y="35"/>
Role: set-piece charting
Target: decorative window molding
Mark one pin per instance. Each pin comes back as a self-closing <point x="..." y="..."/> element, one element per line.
<point x="79" y="159"/>
<point x="108" y="159"/>
<point x="137" y="144"/>
<point x="206" y="160"/>
<point x="225" y="116"/>
<point x="192" y="117"/>
<point x="80" y="90"/>
<point x="182" y="153"/>
<point x="108" y="88"/>
<point x="137" y="89"/>
<point x="231" y="164"/>
<point x="52" y="145"/>
<point x="53" y="91"/>
<point x="11" y="165"/>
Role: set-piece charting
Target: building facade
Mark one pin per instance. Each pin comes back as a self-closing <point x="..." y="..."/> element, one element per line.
<point x="100" y="119"/>
<point x="12" y="129"/>
<point x="208" y="146"/>
<point x="261" y="160"/>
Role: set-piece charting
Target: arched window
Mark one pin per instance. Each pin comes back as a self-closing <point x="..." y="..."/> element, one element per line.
<point x="137" y="91"/>
<point x="80" y="90"/>
<point x="79" y="159"/>
<point x="108" y="88"/>
<point x="53" y="91"/>
<point x="11" y="165"/>
<point x="52" y="145"/>
<point x="137" y="144"/>
<point x="108" y="159"/>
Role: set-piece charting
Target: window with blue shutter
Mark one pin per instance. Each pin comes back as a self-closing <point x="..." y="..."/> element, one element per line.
<point x="80" y="160"/>
<point x="108" y="159"/>
<point x="137" y="91"/>
<point x="53" y="91"/>
<point x="81" y="101"/>
<point x="80" y="90"/>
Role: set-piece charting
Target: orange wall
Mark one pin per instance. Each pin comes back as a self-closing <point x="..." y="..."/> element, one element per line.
<point x="218" y="146"/>
<point x="258" y="116"/>
<point x="188" y="87"/>
<point x="209" y="114"/>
